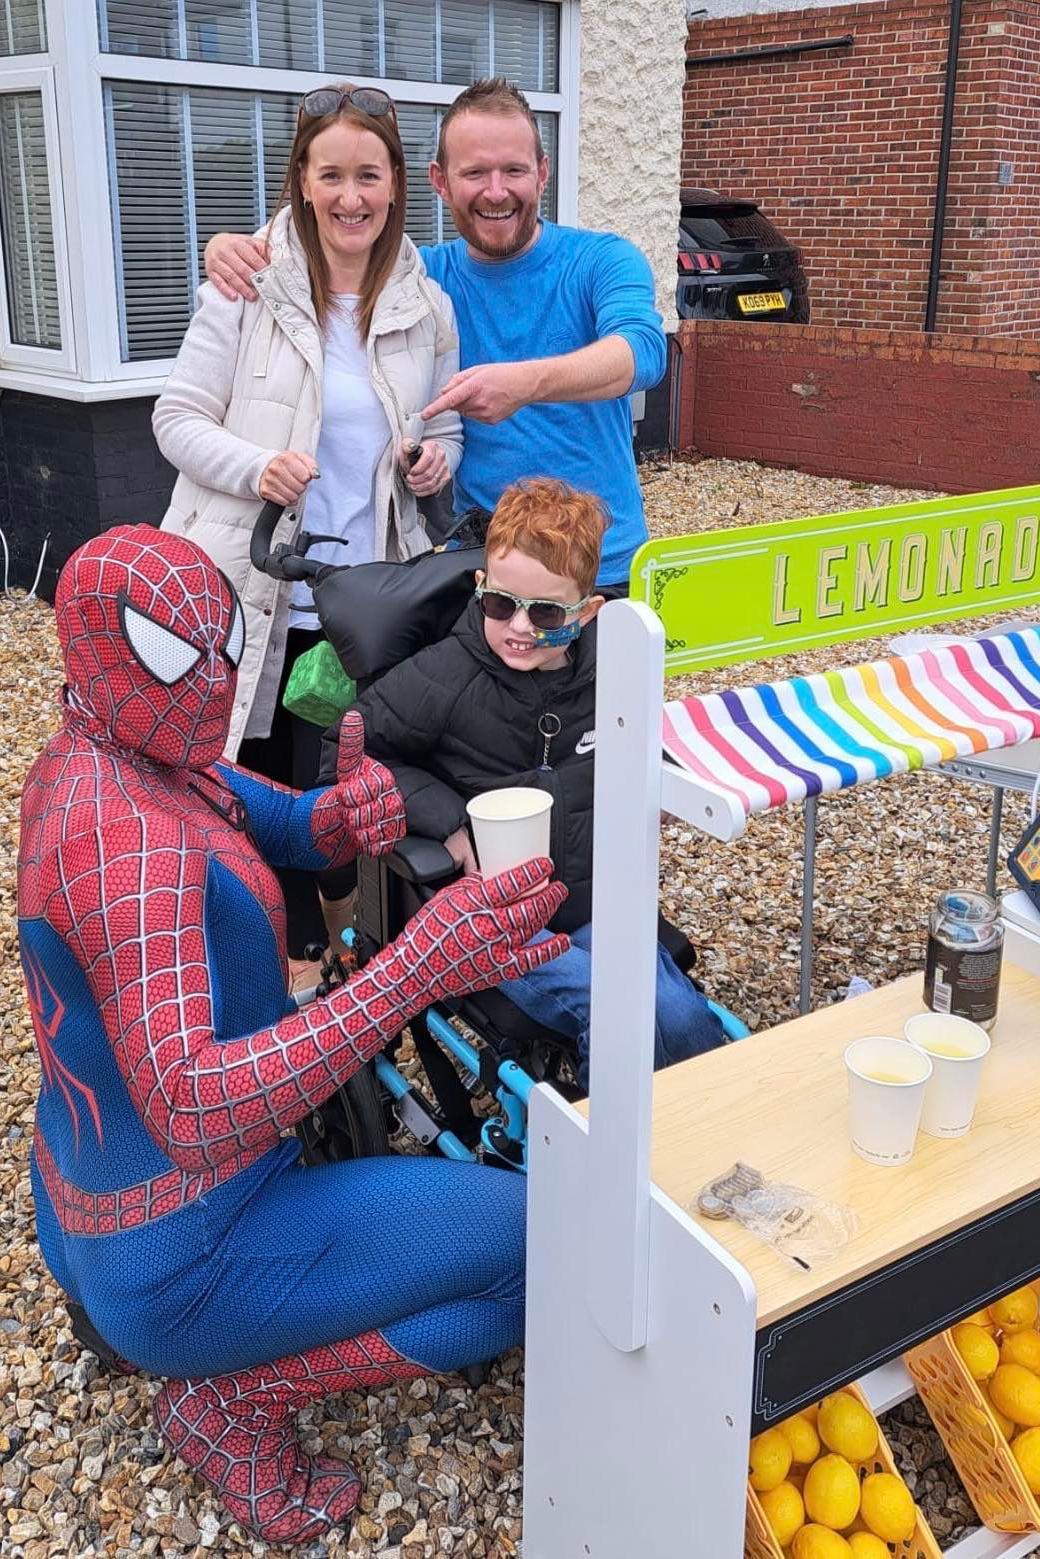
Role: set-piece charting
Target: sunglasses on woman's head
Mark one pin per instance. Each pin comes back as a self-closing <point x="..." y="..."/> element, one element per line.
<point x="329" y="100"/>
<point x="501" y="606"/>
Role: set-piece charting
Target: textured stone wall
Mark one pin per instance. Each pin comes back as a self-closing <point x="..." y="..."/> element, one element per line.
<point x="632" y="74"/>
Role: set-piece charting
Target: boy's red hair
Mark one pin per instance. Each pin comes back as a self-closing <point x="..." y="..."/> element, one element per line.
<point x="553" y="522"/>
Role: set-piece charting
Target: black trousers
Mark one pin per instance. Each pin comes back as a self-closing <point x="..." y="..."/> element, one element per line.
<point x="291" y="756"/>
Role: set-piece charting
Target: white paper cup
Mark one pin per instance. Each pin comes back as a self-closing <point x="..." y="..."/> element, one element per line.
<point x="887" y="1081"/>
<point x="510" y="826"/>
<point x="951" y="1096"/>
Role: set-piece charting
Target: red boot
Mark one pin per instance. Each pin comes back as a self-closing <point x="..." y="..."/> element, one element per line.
<point x="238" y="1433"/>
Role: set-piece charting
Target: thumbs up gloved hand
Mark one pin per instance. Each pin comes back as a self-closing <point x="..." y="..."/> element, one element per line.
<point x="363" y="813"/>
<point x="468" y="937"/>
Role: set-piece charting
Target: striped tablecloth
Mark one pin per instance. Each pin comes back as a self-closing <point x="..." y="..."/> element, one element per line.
<point x="784" y="741"/>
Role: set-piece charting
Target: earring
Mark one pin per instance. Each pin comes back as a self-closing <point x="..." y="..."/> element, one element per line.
<point x="306" y="204"/>
<point x="393" y="203"/>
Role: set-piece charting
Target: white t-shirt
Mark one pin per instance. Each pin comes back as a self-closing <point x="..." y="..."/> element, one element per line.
<point x="354" y="434"/>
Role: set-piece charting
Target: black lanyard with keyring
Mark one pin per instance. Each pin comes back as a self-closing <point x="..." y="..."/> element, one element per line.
<point x="549" y="726"/>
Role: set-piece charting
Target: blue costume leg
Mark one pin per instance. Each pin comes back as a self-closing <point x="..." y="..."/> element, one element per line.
<point x="346" y="1276"/>
<point x="430" y="1252"/>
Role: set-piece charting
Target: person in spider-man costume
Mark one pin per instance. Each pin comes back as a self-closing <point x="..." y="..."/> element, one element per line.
<point x="169" y="1204"/>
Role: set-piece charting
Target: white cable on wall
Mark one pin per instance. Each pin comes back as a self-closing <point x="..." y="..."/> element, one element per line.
<point x="31" y="595"/>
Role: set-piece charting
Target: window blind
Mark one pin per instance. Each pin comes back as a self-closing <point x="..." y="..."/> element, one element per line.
<point x="139" y="27"/>
<point x="225" y="168"/>
<point x="149" y="180"/>
<point x="288" y="33"/>
<point x="23" y="27"/>
<point x="453" y="41"/>
<point x="25" y="222"/>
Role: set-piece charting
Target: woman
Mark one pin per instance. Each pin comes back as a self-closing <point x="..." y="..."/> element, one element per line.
<point x="321" y="376"/>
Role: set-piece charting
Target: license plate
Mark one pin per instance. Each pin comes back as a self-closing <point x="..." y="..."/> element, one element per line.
<point x="760" y="302"/>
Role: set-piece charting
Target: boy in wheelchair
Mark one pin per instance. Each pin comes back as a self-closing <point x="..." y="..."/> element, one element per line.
<point x="508" y="698"/>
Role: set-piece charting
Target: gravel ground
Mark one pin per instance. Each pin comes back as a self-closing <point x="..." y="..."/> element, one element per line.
<point x="82" y="1471"/>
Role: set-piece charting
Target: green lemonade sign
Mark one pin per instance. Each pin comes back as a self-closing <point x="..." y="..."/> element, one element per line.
<point x="760" y="590"/>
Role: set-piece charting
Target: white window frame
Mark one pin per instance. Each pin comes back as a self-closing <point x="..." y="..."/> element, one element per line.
<point x="76" y="69"/>
<point x="40" y="78"/>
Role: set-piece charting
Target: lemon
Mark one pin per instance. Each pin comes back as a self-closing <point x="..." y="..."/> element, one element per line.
<point x="769" y="1461"/>
<point x="1025" y="1448"/>
<point x="812" y="1413"/>
<point x="1022" y="1348"/>
<point x="783" y="1509"/>
<point x="832" y="1492"/>
<point x="802" y="1438"/>
<point x="866" y="1546"/>
<point x="888" y="1507"/>
<point x="1015" y="1392"/>
<point x="978" y="1350"/>
<point x="981" y="1318"/>
<point x="847" y="1427"/>
<point x="1005" y="1424"/>
<point x="815" y="1542"/>
<point x="1016" y="1310"/>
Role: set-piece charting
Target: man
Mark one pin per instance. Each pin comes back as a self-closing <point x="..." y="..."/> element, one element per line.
<point x="557" y="325"/>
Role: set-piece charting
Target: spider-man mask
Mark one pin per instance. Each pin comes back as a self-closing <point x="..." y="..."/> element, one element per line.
<point x="152" y="633"/>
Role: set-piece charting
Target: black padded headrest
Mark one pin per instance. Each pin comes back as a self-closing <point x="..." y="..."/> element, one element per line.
<point x="377" y="614"/>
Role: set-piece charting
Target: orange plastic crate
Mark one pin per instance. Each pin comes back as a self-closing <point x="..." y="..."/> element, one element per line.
<point x="976" y="1446"/>
<point x="759" y="1542"/>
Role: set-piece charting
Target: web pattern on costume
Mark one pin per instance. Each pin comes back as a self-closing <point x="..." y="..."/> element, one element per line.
<point x="236" y="1432"/>
<point x="126" y="826"/>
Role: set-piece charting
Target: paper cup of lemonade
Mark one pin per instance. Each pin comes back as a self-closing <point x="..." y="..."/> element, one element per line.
<point x="957" y="1049"/>
<point x="510" y="826"/>
<point x="887" y="1081"/>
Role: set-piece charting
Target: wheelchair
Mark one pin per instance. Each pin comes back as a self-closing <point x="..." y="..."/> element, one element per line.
<point x="480" y="1056"/>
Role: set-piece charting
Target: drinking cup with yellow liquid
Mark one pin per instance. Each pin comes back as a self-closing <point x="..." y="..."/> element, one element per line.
<point x="957" y="1049"/>
<point x="887" y="1081"/>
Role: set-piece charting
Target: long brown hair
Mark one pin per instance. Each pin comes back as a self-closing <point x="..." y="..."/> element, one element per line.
<point x="383" y="254"/>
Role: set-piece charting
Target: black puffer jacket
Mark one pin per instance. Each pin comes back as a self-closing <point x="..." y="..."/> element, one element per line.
<point x="455" y="721"/>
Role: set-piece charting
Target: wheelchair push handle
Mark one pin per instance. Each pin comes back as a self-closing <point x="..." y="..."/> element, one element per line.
<point x="284" y="560"/>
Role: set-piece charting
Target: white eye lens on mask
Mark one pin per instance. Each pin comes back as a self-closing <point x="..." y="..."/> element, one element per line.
<point x="160" y="651"/>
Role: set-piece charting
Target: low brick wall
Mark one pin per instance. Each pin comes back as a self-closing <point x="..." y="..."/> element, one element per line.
<point x="951" y="413"/>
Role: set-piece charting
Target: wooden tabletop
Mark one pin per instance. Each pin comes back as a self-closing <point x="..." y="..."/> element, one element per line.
<point x="778" y="1101"/>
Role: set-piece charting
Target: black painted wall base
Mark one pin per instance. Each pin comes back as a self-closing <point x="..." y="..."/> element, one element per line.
<point x="70" y="470"/>
<point x="652" y="430"/>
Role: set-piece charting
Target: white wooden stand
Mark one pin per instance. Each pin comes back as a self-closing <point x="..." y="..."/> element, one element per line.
<point x="640" y="1326"/>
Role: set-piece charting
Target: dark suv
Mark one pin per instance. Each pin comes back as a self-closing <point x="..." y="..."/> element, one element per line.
<point x="733" y="264"/>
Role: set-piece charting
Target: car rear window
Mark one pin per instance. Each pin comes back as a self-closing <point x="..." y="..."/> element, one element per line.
<point x="729" y="230"/>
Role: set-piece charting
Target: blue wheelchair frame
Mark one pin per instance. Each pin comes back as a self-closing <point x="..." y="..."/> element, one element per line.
<point x="514" y="1087"/>
<point x="513" y="1091"/>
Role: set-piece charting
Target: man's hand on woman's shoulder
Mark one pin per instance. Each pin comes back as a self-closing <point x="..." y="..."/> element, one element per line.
<point x="231" y="261"/>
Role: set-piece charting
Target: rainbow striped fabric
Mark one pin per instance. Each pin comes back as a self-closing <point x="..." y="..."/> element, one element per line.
<point x="783" y="741"/>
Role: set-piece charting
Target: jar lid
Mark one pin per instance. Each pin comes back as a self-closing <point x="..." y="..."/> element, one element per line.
<point x="967" y="905"/>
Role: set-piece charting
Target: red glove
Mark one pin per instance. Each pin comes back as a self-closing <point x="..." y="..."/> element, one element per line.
<point x="468" y="937"/>
<point x="363" y="813"/>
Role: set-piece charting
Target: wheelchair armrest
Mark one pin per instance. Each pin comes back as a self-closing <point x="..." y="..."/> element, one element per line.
<point x="422" y="860"/>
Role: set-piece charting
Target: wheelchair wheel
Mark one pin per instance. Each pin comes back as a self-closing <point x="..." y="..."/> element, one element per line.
<point x="352" y="1124"/>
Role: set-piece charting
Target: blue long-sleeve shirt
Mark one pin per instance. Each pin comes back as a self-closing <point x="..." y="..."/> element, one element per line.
<point x="570" y="289"/>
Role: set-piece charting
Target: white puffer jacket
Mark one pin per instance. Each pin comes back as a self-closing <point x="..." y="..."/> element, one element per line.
<point x="246" y="385"/>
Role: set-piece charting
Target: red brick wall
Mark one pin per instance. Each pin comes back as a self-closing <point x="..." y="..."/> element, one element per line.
<point x="951" y="413"/>
<point x="1013" y="219"/>
<point x="842" y="149"/>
